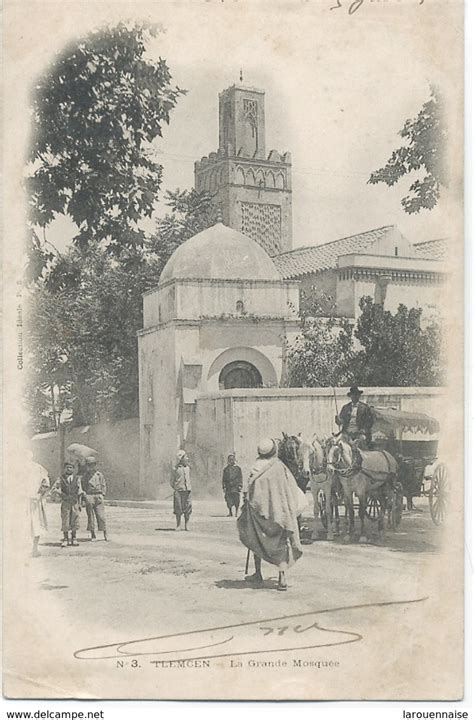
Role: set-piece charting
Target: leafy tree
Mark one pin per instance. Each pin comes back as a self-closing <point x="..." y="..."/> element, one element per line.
<point x="322" y="353"/>
<point x="423" y="150"/>
<point x="96" y="112"/>
<point x="191" y="212"/>
<point x="84" y="316"/>
<point x="383" y="349"/>
<point x="316" y="303"/>
<point x="396" y="349"/>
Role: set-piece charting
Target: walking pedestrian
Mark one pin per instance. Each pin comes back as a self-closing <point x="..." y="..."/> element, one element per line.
<point x="268" y="524"/>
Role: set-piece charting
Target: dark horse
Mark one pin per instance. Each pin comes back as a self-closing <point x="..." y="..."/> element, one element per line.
<point x="288" y="452"/>
<point x="306" y="459"/>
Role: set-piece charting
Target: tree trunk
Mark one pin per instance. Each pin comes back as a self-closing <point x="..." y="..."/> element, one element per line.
<point x="62" y="445"/>
<point x="53" y="407"/>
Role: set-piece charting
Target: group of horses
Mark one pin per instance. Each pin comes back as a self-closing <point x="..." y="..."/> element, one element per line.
<point x="336" y="471"/>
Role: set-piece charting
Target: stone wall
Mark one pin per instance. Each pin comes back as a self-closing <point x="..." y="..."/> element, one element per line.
<point x="118" y="448"/>
<point x="230" y="420"/>
<point x="197" y="299"/>
<point x="235" y="420"/>
<point x="404" y="279"/>
<point x="429" y="295"/>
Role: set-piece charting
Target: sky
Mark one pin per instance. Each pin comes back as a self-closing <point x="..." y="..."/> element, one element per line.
<point x="338" y="91"/>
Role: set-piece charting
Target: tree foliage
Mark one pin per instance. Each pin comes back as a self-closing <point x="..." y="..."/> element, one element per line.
<point x="422" y="152"/>
<point x="84" y="314"/>
<point x="96" y="112"/>
<point x="322" y="352"/>
<point x="320" y="355"/>
<point x="191" y="212"/>
<point x="396" y="349"/>
<point x="88" y="330"/>
<point x="383" y="349"/>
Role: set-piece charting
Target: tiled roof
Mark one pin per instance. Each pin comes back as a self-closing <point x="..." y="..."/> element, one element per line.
<point x="432" y="249"/>
<point x="304" y="260"/>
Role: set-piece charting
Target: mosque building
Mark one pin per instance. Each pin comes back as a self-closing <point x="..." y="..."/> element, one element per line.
<point x="227" y="303"/>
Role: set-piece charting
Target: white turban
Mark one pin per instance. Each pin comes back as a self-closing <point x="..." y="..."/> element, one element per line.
<point x="266" y="447"/>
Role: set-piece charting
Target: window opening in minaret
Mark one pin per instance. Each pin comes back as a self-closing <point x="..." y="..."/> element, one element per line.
<point x="250" y="114"/>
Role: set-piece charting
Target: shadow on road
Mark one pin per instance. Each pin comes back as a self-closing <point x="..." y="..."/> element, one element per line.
<point x="243" y="585"/>
<point x="46" y="586"/>
<point x="401" y="542"/>
<point x="58" y="543"/>
<point x="171" y="529"/>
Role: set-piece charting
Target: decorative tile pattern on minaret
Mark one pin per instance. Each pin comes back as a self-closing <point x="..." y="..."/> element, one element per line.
<point x="251" y="190"/>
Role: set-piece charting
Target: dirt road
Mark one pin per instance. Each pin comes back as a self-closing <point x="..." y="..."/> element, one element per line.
<point x="150" y="580"/>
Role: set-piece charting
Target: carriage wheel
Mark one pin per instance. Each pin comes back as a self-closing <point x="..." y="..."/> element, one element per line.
<point x="322" y="509"/>
<point x="439" y="494"/>
<point x="374" y="508"/>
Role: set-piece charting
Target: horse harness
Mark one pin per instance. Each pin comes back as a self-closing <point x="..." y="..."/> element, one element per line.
<point x="356" y="469"/>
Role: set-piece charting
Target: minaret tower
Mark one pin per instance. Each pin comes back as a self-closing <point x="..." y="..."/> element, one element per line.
<point x="251" y="189"/>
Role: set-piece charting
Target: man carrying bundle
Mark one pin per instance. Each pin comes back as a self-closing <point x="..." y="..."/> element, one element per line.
<point x="268" y="523"/>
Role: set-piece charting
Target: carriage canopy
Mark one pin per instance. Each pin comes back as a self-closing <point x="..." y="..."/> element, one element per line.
<point x="390" y="420"/>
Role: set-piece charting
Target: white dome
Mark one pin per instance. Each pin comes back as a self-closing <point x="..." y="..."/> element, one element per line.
<point x="220" y="253"/>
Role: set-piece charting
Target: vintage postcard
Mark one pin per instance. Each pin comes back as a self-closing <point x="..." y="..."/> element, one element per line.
<point x="233" y="379"/>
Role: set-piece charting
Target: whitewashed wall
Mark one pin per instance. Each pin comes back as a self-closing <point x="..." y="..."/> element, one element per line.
<point x="235" y="420"/>
<point x="232" y="420"/>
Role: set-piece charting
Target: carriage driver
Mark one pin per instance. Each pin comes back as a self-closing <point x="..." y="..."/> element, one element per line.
<point x="356" y="419"/>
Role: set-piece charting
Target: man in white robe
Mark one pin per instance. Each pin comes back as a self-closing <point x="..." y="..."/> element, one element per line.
<point x="37" y="483"/>
<point x="268" y="524"/>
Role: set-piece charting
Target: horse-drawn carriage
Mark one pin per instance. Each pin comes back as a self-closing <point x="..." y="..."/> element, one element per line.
<point x="412" y="440"/>
<point x="402" y="463"/>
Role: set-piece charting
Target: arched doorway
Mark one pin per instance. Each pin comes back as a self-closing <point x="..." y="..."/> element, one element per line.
<point x="261" y="371"/>
<point x="239" y="374"/>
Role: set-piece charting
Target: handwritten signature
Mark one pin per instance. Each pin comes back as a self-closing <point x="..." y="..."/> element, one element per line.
<point x="356" y="4"/>
<point x="302" y="631"/>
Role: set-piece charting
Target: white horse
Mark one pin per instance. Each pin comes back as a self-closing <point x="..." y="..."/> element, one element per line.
<point x="373" y="481"/>
<point x="312" y="468"/>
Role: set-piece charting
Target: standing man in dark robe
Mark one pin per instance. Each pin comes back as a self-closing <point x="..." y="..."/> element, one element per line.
<point x="70" y="491"/>
<point x="356" y="418"/>
<point x="268" y="524"/>
<point x="232" y="484"/>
